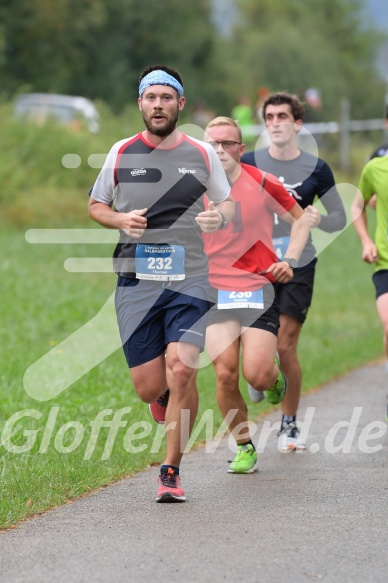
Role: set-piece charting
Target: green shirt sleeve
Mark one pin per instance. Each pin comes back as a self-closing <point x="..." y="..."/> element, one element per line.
<point x="365" y="185"/>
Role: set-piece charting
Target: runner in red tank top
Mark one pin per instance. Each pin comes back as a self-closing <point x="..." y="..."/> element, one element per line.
<point x="242" y="267"/>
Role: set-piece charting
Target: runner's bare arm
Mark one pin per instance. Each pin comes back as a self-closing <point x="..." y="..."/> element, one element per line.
<point x="300" y="230"/>
<point x="298" y="237"/>
<point x="360" y="222"/>
<point x="132" y="223"/>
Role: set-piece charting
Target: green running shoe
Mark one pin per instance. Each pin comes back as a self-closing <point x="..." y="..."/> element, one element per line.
<point x="276" y="393"/>
<point x="245" y="461"/>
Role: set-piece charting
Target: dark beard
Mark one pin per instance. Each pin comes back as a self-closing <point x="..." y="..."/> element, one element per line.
<point x="165" y="131"/>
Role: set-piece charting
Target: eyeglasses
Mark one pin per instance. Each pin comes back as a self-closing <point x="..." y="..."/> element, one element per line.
<point x="226" y="144"/>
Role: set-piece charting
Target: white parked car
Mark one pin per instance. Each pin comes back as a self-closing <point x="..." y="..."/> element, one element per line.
<point x="66" y="109"/>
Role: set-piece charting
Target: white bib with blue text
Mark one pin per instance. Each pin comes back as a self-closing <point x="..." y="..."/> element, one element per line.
<point x="160" y="262"/>
<point x="228" y="300"/>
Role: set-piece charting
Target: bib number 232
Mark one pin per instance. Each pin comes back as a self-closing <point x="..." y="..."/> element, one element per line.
<point x="160" y="262"/>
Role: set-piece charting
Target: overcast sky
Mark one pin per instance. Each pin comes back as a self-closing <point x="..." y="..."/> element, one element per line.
<point x="224" y="12"/>
<point x="379" y="11"/>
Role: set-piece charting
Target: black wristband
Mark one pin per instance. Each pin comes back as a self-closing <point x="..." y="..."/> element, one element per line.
<point x="224" y="222"/>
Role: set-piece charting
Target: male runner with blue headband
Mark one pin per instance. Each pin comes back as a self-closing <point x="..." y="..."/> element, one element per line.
<point x="151" y="188"/>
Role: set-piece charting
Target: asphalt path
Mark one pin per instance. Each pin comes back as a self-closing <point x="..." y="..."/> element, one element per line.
<point x="318" y="515"/>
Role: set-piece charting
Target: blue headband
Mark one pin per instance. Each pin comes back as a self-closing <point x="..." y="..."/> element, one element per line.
<point x="159" y="78"/>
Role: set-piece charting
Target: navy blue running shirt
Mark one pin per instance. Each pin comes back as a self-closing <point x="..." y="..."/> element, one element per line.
<point x="304" y="177"/>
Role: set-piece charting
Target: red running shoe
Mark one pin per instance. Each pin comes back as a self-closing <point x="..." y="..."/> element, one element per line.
<point x="169" y="489"/>
<point x="158" y="408"/>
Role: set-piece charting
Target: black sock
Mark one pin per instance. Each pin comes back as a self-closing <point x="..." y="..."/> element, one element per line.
<point x="286" y="419"/>
<point x="164" y="469"/>
<point x="248" y="443"/>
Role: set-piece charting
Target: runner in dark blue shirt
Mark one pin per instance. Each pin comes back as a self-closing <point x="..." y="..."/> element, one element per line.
<point x="306" y="178"/>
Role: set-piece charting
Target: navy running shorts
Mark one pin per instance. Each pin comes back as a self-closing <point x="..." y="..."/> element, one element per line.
<point x="294" y="298"/>
<point x="380" y="280"/>
<point x="265" y="319"/>
<point x="151" y="314"/>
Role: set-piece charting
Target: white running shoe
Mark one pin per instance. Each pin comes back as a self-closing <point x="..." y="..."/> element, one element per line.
<point x="290" y="438"/>
<point x="255" y="396"/>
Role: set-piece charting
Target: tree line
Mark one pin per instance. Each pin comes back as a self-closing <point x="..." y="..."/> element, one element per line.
<point x="97" y="49"/>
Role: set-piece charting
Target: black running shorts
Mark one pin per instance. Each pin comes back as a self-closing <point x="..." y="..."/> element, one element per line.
<point x="380" y="279"/>
<point x="265" y="319"/>
<point x="295" y="297"/>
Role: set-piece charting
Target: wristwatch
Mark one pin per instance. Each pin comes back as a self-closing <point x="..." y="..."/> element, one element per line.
<point x="224" y="222"/>
<point x="291" y="262"/>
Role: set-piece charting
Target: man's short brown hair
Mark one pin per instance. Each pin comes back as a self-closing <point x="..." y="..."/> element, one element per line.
<point x="282" y="97"/>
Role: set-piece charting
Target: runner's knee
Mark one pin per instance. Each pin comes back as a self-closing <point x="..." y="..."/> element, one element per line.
<point x="149" y="393"/>
<point x="287" y="345"/>
<point x="227" y="379"/>
<point x="260" y="379"/>
<point x="180" y="376"/>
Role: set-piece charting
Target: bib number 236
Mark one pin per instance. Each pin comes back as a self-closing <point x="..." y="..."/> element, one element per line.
<point x="240" y="299"/>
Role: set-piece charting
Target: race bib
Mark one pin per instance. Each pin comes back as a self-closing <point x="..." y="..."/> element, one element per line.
<point x="160" y="262"/>
<point x="228" y="300"/>
<point x="281" y="245"/>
